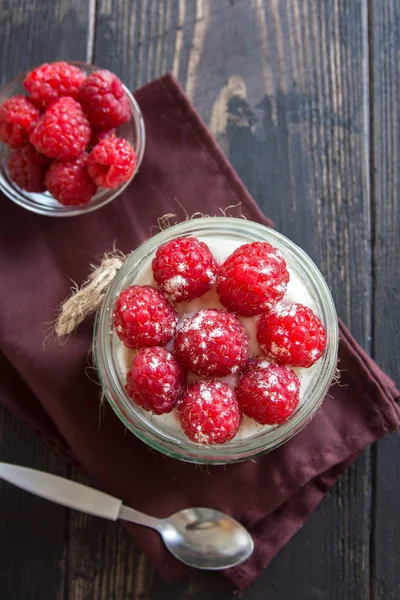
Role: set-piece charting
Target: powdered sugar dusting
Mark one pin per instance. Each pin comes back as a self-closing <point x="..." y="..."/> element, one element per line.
<point x="175" y="286"/>
<point x="285" y="309"/>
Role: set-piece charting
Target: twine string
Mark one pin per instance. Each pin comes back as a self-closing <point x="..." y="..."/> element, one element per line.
<point x="89" y="297"/>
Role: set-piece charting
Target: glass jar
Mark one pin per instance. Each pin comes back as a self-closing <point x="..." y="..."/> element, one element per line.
<point x="44" y="203"/>
<point x="169" y="439"/>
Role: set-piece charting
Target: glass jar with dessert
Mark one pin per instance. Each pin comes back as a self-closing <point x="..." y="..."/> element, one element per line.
<point x="217" y="340"/>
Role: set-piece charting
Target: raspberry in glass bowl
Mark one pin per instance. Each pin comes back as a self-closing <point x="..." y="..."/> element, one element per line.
<point x="72" y="138"/>
<point x="240" y="346"/>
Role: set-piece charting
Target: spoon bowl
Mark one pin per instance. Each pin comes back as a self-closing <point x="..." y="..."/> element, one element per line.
<point x="205" y="538"/>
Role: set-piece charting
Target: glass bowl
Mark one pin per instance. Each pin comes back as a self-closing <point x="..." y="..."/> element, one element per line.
<point x="159" y="433"/>
<point x="44" y="203"/>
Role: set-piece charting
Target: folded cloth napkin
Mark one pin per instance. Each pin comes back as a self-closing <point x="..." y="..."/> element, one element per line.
<point x="48" y="385"/>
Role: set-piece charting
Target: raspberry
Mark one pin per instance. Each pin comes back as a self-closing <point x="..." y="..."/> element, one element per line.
<point x="184" y="269"/>
<point x="291" y="334"/>
<point x="69" y="181"/>
<point x="209" y="412"/>
<point x="18" y="117"/>
<point x="143" y="317"/>
<point x="252" y="279"/>
<point x="104" y="100"/>
<point x="156" y="381"/>
<point x="112" y="162"/>
<point x="63" y="131"/>
<point x="26" y="168"/>
<point x="269" y="395"/>
<point x="101" y="134"/>
<point x="212" y="343"/>
<point x="49" y="82"/>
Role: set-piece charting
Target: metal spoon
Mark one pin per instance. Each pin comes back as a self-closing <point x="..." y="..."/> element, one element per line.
<point x="199" y="537"/>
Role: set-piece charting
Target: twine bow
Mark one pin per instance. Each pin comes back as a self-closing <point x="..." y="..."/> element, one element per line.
<point x="90" y="296"/>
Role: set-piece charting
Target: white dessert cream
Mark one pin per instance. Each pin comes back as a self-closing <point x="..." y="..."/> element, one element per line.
<point x="221" y="248"/>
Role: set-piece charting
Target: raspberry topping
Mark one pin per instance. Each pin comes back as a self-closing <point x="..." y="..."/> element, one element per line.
<point x="63" y="131"/>
<point x="209" y="412"/>
<point x="212" y="343"/>
<point x="49" y="82"/>
<point x="26" y="168"/>
<point x="143" y="317"/>
<point x="69" y="182"/>
<point x="112" y="162"/>
<point x="184" y="269"/>
<point x="18" y="117"/>
<point x="253" y="278"/>
<point x="269" y="394"/>
<point x="291" y="334"/>
<point x="156" y="381"/>
<point x="104" y="100"/>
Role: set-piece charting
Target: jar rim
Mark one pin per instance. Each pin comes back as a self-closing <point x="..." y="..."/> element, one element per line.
<point x="236" y="449"/>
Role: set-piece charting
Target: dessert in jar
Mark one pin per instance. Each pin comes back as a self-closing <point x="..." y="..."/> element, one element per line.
<point x="217" y="340"/>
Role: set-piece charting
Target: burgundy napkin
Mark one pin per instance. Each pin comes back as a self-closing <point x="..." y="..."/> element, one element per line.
<point x="47" y="385"/>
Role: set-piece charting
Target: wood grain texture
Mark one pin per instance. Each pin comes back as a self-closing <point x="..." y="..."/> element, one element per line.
<point x="101" y="560"/>
<point x="32" y="32"/>
<point x="385" y="96"/>
<point x="32" y="531"/>
<point x="285" y="87"/>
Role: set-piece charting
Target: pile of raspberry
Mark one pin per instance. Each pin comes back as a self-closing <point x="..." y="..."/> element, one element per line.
<point x="62" y="135"/>
<point x="183" y="363"/>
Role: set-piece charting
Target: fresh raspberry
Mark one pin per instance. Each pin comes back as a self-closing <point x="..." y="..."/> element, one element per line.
<point x="156" y="381"/>
<point x="112" y="162"/>
<point x="212" y="343"/>
<point x="101" y="134"/>
<point x="291" y="334"/>
<point x="18" y="117"/>
<point x="26" y="168"/>
<point x="184" y="269"/>
<point x="143" y="317"/>
<point x="63" y="131"/>
<point x="69" y="181"/>
<point x="49" y="82"/>
<point x="269" y="395"/>
<point x="252" y="279"/>
<point x="104" y="100"/>
<point x="209" y="412"/>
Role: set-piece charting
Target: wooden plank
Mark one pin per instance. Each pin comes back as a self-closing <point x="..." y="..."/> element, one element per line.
<point x="385" y="95"/>
<point x="102" y="559"/>
<point x="33" y="32"/>
<point x="32" y="530"/>
<point x="282" y="86"/>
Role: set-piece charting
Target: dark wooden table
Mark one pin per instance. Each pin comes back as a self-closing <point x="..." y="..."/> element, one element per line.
<point x="303" y="96"/>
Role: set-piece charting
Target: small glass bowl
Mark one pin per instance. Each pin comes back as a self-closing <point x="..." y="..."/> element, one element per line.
<point x="169" y="440"/>
<point x="44" y="203"/>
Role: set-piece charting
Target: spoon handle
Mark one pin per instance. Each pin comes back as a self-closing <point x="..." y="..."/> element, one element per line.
<point x="73" y="495"/>
<point x="62" y="491"/>
<point x="135" y="516"/>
